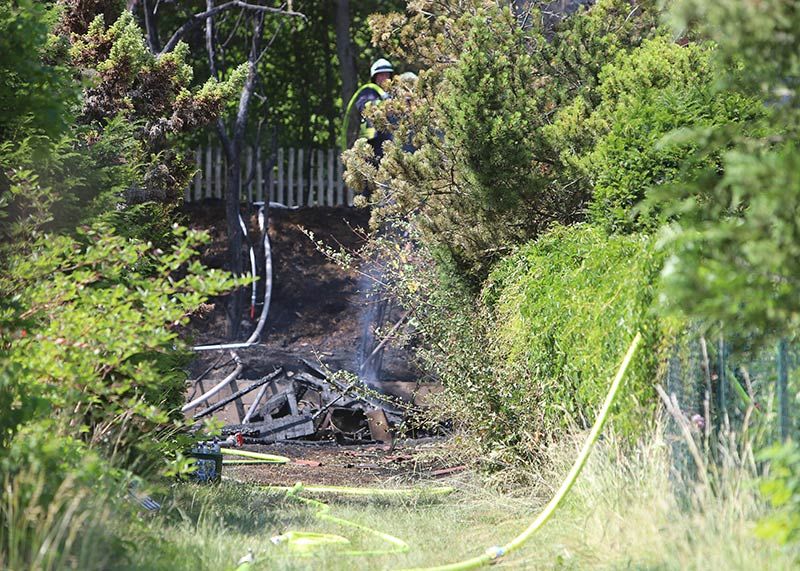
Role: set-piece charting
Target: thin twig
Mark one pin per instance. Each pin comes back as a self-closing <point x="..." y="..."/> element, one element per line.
<point x="683" y="424"/>
<point x="201" y="17"/>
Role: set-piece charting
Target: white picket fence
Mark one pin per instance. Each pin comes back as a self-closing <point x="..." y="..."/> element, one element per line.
<point x="298" y="177"/>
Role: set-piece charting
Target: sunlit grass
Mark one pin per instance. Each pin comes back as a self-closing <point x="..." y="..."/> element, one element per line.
<point x="626" y="512"/>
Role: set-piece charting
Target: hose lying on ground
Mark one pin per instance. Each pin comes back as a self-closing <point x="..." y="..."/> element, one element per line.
<point x="254" y="456"/>
<point x="493" y="554"/>
<point x="306" y="543"/>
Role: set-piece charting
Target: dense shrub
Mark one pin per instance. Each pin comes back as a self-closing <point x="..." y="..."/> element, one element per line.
<point x="734" y="243"/>
<point x="565" y="309"/>
<point x="485" y="176"/>
<point x="532" y="358"/>
<point x="619" y="145"/>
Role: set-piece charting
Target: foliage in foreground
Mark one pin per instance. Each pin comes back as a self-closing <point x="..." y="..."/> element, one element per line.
<point x="733" y="237"/>
<point x="626" y="510"/>
<point x="93" y="289"/>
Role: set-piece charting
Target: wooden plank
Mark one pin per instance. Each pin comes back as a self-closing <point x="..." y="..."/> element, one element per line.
<point x="330" y="202"/>
<point x="259" y="176"/>
<point x="209" y="169"/>
<point x="308" y="198"/>
<point x="274" y="430"/>
<point x="254" y="406"/>
<point x="301" y="167"/>
<point x="281" y="195"/>
<point x="238" y="394"/>
<point x="198" y="176"/>
<point x="346" y="194"/>
<point x="290" y="179"/>
<point x="320" y="178"/>
<point x="218" y="174"/>
<point x="248" y="159"/>
<point x="239" y="406"/>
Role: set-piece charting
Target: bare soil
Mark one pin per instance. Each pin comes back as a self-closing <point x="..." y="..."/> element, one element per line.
<point x="407" y="462"/>
<point x="316" y="311"/>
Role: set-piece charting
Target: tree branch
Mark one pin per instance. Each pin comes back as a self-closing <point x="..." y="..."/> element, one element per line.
<point x="198" y="19"/>
<point x="250" y="82"/>
<point x="151" y="27"/>
<point x="212" y="56"/>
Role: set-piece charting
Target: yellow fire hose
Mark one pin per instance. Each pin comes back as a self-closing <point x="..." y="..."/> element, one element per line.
<point x="493" y="554"/>
<point x="305" y="542"/>
<point x="253" y="457"/>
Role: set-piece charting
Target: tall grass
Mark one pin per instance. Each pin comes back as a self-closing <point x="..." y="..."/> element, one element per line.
<point x="68" y="531"/>
<point x="630" y="509"/>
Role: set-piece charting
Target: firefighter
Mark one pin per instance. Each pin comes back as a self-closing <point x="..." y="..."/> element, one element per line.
<point x="371" y="94"/>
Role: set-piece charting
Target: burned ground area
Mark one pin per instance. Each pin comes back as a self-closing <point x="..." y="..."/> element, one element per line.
<point x="315" y="302"/>
<point x="288" y="380"/>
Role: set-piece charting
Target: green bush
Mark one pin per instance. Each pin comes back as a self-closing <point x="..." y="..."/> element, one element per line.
<point x="645" y="95"/>
<point x="564" y="310"/>
<point x="734" y="242"/>
<point x="486" y="176"/>
<point x="781" y="488"/>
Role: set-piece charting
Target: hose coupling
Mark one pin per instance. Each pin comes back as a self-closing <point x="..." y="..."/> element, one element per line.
<point x="495" y="552"/>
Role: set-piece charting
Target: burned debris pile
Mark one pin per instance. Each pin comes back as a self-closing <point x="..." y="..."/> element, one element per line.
<point x="305" y="401"/>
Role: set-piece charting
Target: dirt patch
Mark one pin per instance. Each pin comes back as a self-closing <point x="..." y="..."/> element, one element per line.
<point x="317" y="308"/>
<point x="315" y="302"/>
<point x="408" y="462"/>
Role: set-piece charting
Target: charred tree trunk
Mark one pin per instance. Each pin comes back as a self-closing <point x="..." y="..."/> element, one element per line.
<point x="232" y="139"/>
<point x="233" y="144"/>
<point x="347" y="61"/>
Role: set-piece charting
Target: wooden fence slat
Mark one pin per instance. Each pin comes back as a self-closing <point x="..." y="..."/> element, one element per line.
<point x="209" y="167"/>
<point x="259" y="176"/>
<point x="281" y="196"/>
<point x="290" y="179"/>
<point x="311" y="178"/>
<point x="198" y="176"/>
<point x="293" y="176"/>
<point x="218" y="175"/>
<point x="301" y="167"/>
<point x="331" y="152"/>
<point x="248" y="156"/>
<point x="347" y="196"/>
<point x="320" y="179"/>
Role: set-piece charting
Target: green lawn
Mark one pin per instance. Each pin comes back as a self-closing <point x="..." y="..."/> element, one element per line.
<point x="622" y="514"/>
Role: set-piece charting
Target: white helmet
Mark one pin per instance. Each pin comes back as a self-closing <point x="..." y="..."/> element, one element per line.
<point x="380" y="66"/>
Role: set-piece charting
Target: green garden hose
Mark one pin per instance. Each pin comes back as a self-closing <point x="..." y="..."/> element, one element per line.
<point x="493" y="554"/>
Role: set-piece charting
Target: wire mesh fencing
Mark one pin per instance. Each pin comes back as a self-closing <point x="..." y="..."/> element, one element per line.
<point x="726" y="398"/>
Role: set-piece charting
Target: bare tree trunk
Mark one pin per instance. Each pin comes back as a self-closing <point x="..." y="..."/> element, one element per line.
<point x="347" y="61"/>
<point x="232" y="140"/>
<point x="233" y="144"/>
<point x="151" y="26"/>
<point x="329" y="103"/>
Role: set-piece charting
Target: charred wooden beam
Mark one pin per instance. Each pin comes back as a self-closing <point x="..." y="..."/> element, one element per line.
<point x="238" y="394"/>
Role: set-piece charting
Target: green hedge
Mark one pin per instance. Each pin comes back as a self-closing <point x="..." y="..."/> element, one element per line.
<point x="565" y="309"/>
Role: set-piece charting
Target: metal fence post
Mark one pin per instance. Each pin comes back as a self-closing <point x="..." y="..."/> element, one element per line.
<point x="783" y="382"/>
